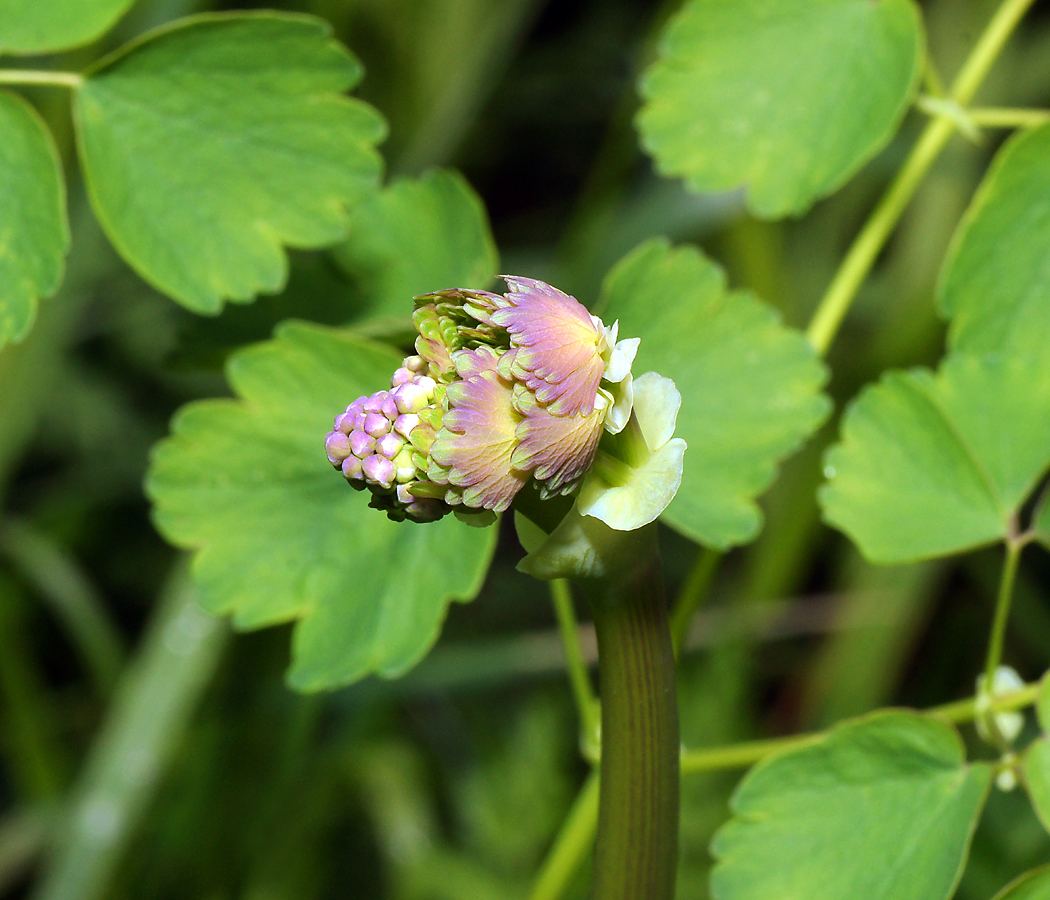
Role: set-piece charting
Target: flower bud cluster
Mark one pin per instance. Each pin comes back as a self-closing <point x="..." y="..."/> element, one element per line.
<point x="377" y="442"/>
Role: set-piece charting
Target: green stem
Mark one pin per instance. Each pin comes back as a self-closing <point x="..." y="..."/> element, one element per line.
<point x="1004" y="117"/>
<point x="873" y="236"/>
<point x="571" y="845"/>
<point x="579" y="678"/>
<point x="637" y="845"/>
<point x="1002" y="615"/>
<point x="35" y="76"/>
<point x="693" y="593"/>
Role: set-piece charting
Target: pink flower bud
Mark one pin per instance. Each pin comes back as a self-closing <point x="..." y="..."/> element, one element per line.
<point x="361" y="444"/>
<point x="374" y="402"/>
<point x="337" y="446"/>
<point x="352" y="468"/>
<point x="400" y="377"/>
<point x="415" y="364"/>
<point x="376" y="424"/>
<point x="411" y="398"/>
<point x="380" y="470"/>
<point x="389" y="445"/>
<point x="404" y="424"/>
<point x="390" y="409"/>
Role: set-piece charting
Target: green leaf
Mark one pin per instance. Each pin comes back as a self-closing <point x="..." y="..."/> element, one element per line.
<point x="933" y="464"/>
<point x="996" y="283"/>
<point x="789" y="98"/>
<point x="34" y="233"/>
<point x="1037" y="778"/>
<point x="1034" y="885"/>
<point x="281" y="536"/>
<point x="209" y="144"/>
<point x="750" y="387"/>
<point x="1042" y="703"/>
<point x="418" y="236"/>
<point x="43" y="26"/>
<point x="882" y="808"/>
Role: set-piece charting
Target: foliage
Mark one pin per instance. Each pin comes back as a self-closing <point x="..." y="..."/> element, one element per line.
<point x="206" y="143"/>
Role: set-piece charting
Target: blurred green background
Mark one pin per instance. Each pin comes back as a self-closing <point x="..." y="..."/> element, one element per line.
<point x="146" y="753"/>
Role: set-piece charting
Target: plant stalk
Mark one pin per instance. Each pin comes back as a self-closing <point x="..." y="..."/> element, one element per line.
<point x="1002" y="615"/>
<point x="36" y="76"/>
<point x="636" y="854"/>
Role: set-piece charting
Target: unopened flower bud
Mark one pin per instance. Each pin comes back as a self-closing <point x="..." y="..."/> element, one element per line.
<point x="376" y="424"/>
<point x="337" y="445"/>
<point x="401" y="376"/>
<point x="415" y="364"/>
<point x="411" y="397"/>
<point x="380" y="469"/>
<point x="352" y="468"/>
<point x="361" y="444"/>
<point x="404" y="424"/>
<point x="389" y="445"/>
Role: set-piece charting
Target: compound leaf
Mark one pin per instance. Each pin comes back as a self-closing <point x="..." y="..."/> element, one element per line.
<point x="209" y="144"/>
<point x="44" y="26"/>
<point x="34" y="232"/>
<point x="883" y="807"/>
<point x="415" y="236"/>
<point x="279" y="535"/>
<point x="995" y="286"/>
<point x="786" y="97"/>
<point x="750" y="386"/>
<point x="933" y="464"/>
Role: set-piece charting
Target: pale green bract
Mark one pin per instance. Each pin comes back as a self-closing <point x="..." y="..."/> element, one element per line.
<point x="43" y="26"/>
<point x="787" y="98"/>
<point x="279" y="536"/>
<point x="414" y="234"/>
<point x="209" y="144"/>
<point x="34" y="233"/>
<point x="883" y="808"/>
<point x="750" y="387"/>
<point x="995" y="286"/>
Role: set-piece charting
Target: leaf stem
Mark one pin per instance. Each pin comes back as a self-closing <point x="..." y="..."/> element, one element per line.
<point x="636" y="852"/>
<point x="692" y="595"/>
<point x="862" y="254"/>
<point x="1006" y="117"/>
<point x="36" y="76"/>
<point x="571" y="845"/>
<point x="998" y="635"/>
<point x="579" y="677"/>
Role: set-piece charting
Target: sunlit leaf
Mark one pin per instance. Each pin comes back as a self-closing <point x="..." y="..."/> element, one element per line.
<point x="281" y="536"/>
<point x="42" y="26"/>
<point x="209" y="144"/>
<point x="1037" y="778"/>
<point x="996" y="283"/>
<point x="417" y="236"/>
<point x="932" y="464"/>
<point x="882" y="808"/>
<point x="34" y="233"/>
<point x="787" y="98"/>
<point x="1034" y="885"/>
<point x="750" y="387"/>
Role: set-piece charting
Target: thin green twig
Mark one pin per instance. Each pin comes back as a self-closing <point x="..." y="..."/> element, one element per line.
<point x="572" y="844"/>
<point x="693" y="593"/>
<point x="36" y="76"/>
<point x="998" y="634"/>
<point x="579" y="677"/>
<point x="1006" y="117"/>
<point x="862" y="254"/>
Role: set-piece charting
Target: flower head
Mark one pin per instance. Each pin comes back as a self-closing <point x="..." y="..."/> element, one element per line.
<point x="504" y="389"/>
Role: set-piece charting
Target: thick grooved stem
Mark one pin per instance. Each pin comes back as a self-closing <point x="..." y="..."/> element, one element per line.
<point x="637" y="846"/>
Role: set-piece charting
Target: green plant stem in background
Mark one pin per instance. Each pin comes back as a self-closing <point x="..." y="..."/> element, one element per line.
<point x="636" y="853"/>
<point x="571" y="845"/>
<point x="1003" y="117"/>
<point x="695" y="590"/>
<point x="579" y="677"/>
<point x="151" y="709"/>
<point x="33" y="76"/>
<point x="873" y="236"/>
<point x="1002" y="614"/>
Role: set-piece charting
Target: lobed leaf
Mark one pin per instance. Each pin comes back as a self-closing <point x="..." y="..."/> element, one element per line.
<point x="786" y="97"/>
<point x="883" y="808"/>
<point x="413" y="235"/>
<point x="933" y="464"/>
<point x="34" y="232"/>
<point x="750" y="387"/>
<point x="209" y="144"/>
<point x="279" y="535"/>
<point x="44" y="26"/>
<point x="1034" y="885"/>
<point x="995" y="286"/>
